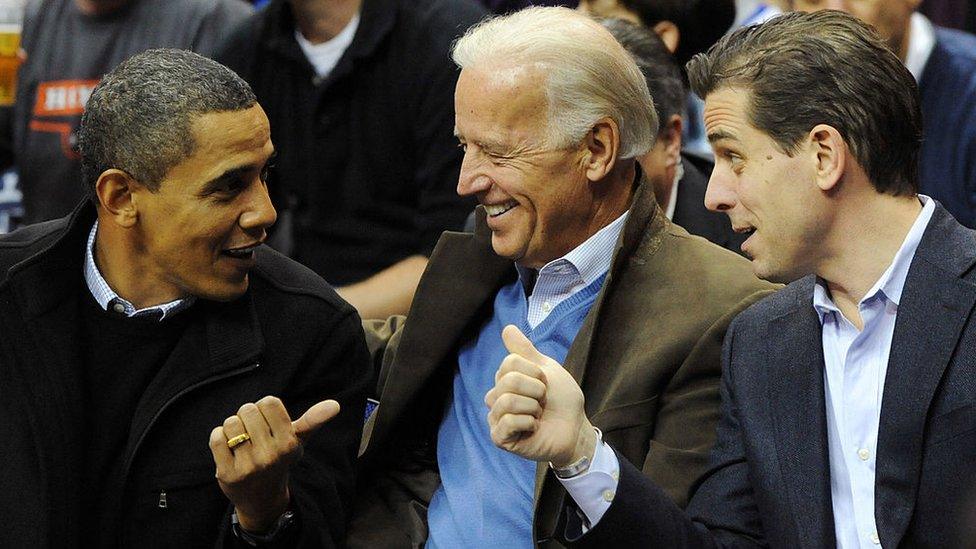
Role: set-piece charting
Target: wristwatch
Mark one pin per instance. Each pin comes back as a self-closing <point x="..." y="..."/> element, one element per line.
<point x="579" y="466"/>
<point x="257" y="540"/>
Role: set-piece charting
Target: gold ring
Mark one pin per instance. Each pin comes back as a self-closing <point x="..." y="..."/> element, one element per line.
<point x="238" y="440"/>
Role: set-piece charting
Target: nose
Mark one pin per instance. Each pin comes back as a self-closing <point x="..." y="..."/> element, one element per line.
<point x="260" y="212"/>
<point x="720" y="194"/>
<point x="473" y="179"/>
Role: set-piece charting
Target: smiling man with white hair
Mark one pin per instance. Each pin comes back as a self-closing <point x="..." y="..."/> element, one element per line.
<point x="571" y="253"/>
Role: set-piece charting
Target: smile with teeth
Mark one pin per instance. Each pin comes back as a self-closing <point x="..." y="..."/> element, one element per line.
<point x="495" y="210"/>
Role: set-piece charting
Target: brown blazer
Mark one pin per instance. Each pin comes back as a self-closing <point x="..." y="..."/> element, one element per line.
<point x="647" y="358"/>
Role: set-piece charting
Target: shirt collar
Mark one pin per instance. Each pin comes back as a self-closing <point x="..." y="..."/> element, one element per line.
<point x="588" y="261"/>
<point x="106" y="297"/>
<point x="892" y="281"/>
<point x="679" y="173"/>
<point x="921" y="42"/>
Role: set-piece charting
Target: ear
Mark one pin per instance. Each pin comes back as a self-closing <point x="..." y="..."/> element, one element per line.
<point x="669" y="34"/>
<point x="829" y="152"/>
<point x="602" y="144"/>
<point x="672" y="138"/>
<point x="114" y="190"/>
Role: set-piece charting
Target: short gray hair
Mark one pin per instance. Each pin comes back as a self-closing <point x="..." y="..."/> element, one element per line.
<point x="138" y="118"/>
<point x="589" y="75"/>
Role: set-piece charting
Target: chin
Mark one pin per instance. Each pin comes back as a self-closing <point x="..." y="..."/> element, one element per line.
<point x="506" y="249"/>
<point x="224" y="291"/>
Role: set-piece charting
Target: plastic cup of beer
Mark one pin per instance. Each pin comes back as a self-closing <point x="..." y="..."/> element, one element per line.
<point x="11" y="17"/>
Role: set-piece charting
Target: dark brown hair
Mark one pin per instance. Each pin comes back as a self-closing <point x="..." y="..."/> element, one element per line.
<point x="804" y="69"/>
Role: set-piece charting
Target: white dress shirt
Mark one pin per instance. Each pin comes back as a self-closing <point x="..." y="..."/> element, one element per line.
<point x="679" y="172"/>
<point x="921" y="42"/>
<point x="855" y="366"/>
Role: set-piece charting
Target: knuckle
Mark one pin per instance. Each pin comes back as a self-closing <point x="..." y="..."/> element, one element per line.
<point x="231" y="422"/>
<point x="248" y="408"/>
<point x="269" y="401"/>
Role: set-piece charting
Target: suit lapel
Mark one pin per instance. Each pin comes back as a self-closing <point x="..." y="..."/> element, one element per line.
<point x="934" y="308"/>
<point x="798" y="410"/>
<point x="640" y="237"/>
<point x="644" y="228"/>
<point x="469" y="284"/>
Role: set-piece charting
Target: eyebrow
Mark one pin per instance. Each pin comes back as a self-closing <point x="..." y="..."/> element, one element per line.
<point x="496" y="147"/>
<point x="234" y="173"/>
<point x="720" y="135"/>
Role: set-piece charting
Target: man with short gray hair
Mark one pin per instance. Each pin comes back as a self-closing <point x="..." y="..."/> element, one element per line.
<point x="151" y="319"/>
<point x="570" y="253"/>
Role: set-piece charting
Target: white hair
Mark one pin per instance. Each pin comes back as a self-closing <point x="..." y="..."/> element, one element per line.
<point x="589" y="75"/>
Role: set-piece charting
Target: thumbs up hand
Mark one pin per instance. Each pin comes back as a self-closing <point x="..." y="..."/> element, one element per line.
<point x="537" y="407"/>
<point x="253" y="451"/>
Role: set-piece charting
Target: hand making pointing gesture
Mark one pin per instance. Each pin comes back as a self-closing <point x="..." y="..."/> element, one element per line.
<point x="253" y="450"/>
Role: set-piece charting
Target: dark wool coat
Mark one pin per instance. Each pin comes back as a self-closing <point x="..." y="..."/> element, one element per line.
<point x="289" y="335"/>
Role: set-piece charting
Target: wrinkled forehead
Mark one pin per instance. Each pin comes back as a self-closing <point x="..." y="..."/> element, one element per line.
<point x="726" y="113"/>
<point x="506" y="96"/>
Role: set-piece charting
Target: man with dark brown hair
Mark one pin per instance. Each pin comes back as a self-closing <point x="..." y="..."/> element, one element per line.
<point x="847" y="416"/>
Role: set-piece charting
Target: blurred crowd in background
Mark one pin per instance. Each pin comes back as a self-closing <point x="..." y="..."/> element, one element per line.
<point x="360" y="98"/>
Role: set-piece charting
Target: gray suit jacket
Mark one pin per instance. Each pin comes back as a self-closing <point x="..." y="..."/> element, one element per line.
<point x="769" y="480"/>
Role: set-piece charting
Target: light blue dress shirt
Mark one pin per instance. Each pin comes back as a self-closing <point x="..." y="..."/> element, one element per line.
<point x="855" y="366"/>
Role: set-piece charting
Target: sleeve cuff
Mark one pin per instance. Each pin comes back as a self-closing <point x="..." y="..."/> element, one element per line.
<point x="594" y="490"/>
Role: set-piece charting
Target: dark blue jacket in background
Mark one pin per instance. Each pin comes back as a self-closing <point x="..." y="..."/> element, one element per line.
<point x="948" y="93"/>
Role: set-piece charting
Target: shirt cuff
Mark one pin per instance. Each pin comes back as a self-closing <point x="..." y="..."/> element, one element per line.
<point x="594" y="490"/>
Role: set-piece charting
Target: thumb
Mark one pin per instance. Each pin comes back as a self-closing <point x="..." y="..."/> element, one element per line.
<point x="315" y="417"/>
<point x="516" y="343"/>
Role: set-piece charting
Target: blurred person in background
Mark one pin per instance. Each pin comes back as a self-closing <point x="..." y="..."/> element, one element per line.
<point x="359" y="94"/>
<point x="69" y="45"/>
<point x="686" y="27"/>
<point x="679" y="178"/>
<point x="943" y="62"/>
